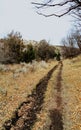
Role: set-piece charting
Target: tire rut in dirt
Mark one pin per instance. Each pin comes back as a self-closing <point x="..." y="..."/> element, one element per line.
<point x="56" y="118"/>
<point x="26" y="114"/>
<point x="56" y="114"/>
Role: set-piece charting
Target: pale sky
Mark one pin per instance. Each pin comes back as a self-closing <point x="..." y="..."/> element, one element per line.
<point x="19" y="15"/>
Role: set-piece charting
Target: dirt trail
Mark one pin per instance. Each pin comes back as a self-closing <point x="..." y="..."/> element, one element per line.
<point x="26" y="114"/>
<point x="56" y="114"/>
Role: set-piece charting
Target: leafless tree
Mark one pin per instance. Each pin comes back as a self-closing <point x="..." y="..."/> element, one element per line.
<point x="76" y="36"/>
<point x="60" y="7"/>
<point x="71" y="45"/>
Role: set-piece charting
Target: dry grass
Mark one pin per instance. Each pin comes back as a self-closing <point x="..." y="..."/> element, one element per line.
<point x="71" y="97"/>
<point x="14" y="90"/>
<point x="71" y="94"/>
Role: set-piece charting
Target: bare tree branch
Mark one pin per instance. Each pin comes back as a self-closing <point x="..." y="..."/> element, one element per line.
<point x="52" y="5"/>
<point x="59" y="15"/>
<point x="76" y="15"/>
<point x="41" y="4"/>
<point x="68" y="5"/>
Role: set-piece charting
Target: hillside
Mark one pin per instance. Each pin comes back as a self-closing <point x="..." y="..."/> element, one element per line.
<point x="50" y="103"/>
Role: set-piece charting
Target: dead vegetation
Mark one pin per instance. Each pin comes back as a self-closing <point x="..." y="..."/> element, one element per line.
<point x="61" y="101"/>
<point x="14" y="90"/>
<point x="69" y="116"/>
<point x="25" y="117"/>
<point x="71" y="94"/>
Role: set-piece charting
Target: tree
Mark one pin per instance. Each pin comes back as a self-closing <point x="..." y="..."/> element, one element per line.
<point x="77" y="38"/>
<point x="14" y="46"/>
<point x="65" y="6"/>
<point x="45" y="51"/>
<point x="29" y="54"/>
<point x="70" y="46"/>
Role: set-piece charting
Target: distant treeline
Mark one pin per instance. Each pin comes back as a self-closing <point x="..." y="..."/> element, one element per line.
<point x="13" y="50"/>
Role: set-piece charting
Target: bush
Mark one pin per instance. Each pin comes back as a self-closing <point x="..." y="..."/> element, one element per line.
<point x="45" y="51"/>
<point x="58" y="56"/>
<point x="14" y="45"/>
<point x="70" y="48"/>
<point x="29" y="54"/>
<point x="68" y="52"/>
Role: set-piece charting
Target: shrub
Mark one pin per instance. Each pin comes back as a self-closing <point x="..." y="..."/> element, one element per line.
<point x="68" y="52"/>
<point x="14" y="45"/>
<point x="58" y="56"/>
<point x="45" y="51"/>
<point x="70" y="46"/>
<point x="29" y="54"/>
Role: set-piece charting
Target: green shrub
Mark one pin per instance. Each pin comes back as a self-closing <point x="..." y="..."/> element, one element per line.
<point x="29" y="54"/>
<point x="45" y="51"/>
<point x="14" y="45"/>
